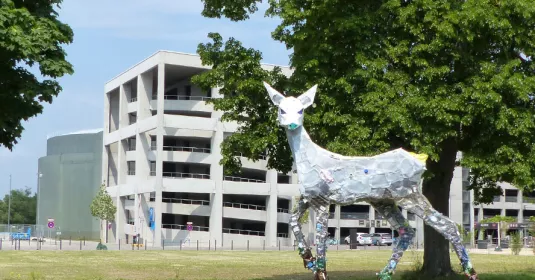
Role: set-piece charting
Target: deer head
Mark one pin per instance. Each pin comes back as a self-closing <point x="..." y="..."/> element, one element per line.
<point x="291" y="109"/>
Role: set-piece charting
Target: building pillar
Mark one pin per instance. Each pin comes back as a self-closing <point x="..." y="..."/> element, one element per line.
<point x="371" y="214"/>
<point x="120" y="219"/>
<point x="216" y="175"/>
<point x="337" y="219"/>
<point x="159" y="155"/>
<point x="271" y="222"/>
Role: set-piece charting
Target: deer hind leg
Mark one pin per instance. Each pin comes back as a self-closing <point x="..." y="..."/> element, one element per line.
<point x="418" y="204"/>
<point x="394" y="216"/>
<point x="322" y="218"/>
<point x="302" y="246"/>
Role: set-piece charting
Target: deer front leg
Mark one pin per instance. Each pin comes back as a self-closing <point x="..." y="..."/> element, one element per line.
<point x="302" y="246"/>
<point x="322" y="219"/>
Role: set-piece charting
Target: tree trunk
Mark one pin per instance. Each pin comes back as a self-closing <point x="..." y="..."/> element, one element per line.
<point x="437" y="190"/>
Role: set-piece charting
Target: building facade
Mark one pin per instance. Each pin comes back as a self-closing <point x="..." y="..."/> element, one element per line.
<point x="161" y="153"/>
<point x="69" y="176"/>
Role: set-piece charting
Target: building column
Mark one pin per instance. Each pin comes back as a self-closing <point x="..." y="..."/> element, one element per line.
<point x="216" y="175"/>
<point x="371" y="213"/>
<point x="271" y="223"/>
<point x="337" y="219"/>
<point x="120" y="219"/>
<point x="159" y="155"/>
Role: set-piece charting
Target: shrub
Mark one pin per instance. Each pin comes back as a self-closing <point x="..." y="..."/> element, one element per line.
<point x="516" y="243"/>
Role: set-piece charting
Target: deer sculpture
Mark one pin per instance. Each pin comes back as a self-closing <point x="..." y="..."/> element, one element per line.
<point x="385" y="181"/>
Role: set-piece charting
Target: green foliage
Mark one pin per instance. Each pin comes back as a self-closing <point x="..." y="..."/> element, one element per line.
<point x="465" y="235"/>
<point x="435" y="77"/>
<point x="498" y="218"/>
<point x="516" y="243"/>
<point x="102" y="205"/>
<point x="304" y="218"/>
<point x="23" y="207"/>
<point x="30" y="35"/>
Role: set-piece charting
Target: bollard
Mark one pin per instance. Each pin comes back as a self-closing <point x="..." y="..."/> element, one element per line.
<point x="264" y="245"/>
<point x="145" y="245"/>
<point x="180" y="244"/>
<point x="197" y="245"/>
<point x="132" y="246"/>
<point x="80" y="244"/>
<point x="209" y="245"/>
<point x="0" y="244"/>
<point x="231" y="245"/>
<point x="19" y="244"/>
<point x="215" y="245"/>
<point x="70" y="239"/>
<point x="247" y="245"/>
<point x="163" y="244"/>
<point x="60" y="244"/>
<point x="84" y="240"/>
<point x="279" y="245"/>
<point x="138" y="245"/>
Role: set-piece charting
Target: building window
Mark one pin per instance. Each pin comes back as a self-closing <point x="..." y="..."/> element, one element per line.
<point x="153" y="143"/>
<point x="131" y="144"/>
<point x="131" y="167"/>
<point x="187" y="90"/>
<point x="209" y="92"/>
<point x="152" y="168"/>
<point x="132" y="119"/>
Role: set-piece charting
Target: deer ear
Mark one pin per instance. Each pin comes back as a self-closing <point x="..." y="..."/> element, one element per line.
<point x="307" y="98"/>
<point x="275" y="96"/>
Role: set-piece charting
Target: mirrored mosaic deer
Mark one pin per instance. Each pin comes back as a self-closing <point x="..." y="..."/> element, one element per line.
<point x="385" y="181"/>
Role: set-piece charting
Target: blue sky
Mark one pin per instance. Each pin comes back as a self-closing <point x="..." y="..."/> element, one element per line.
<point x="109" y="37"/>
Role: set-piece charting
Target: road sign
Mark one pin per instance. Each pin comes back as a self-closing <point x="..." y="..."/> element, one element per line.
<point x="50" y="223"/>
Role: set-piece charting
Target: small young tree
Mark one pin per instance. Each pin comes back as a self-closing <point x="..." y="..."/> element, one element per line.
<point x="102" y="206"/>
<point x="516" y="243"/>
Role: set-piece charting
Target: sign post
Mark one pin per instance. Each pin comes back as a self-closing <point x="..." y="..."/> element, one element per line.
<point x="189" y="227"/>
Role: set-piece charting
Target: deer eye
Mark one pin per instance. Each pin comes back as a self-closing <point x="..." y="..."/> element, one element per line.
<point x="300" y="112"/>
<point x="283" y="112"/>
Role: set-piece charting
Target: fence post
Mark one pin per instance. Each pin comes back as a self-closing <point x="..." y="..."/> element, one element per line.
<point x="70" y="238"/>
<point x="80" y="244"/>
<point x="180" y="244"/>
<point x="119" y="244"/>
<point x="247" y="245"/>
<point x="84" y="240"/>
<point x="145" y="245"/>
<point x="215" y="245"/>
<point x="197" y="244"/>
<point x="232" y="245"/>
<point x="163" y="244"/>
<point x="60" y="244"/>
<point x="279" y="244"/>
<point x="19" y="244"/>
<point x="209" y="244"/>
<point x="0" y="244"/>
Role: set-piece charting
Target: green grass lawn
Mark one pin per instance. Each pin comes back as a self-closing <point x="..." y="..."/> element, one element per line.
<point x="342" y="265"/>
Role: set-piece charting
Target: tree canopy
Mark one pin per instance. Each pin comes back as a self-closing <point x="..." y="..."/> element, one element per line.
<point x="30" y="35"/>
<point x="435" y="77"/>
<point x="102" y="206"/>
<point x="23" y="207"/>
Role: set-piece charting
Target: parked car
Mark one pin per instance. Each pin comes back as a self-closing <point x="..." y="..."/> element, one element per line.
<point x="362" y="238"/>
<point x="380" y="239"/>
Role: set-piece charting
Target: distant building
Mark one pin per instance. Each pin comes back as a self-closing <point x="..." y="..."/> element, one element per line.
<point x="161" y="165"/>
<point x="69" y="176"/>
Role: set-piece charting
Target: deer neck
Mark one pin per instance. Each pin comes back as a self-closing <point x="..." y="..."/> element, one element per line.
<point x="299" y="142"/>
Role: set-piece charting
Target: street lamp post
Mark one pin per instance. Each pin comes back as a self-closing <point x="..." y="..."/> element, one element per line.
<point x="39" y="175"/>
<point x="9" y="207"/>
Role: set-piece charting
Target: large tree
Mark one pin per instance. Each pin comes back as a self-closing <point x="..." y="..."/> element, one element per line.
<point x="30" y="35"/>
<point x="23" y="207"/>
<point x="435" y="77"/>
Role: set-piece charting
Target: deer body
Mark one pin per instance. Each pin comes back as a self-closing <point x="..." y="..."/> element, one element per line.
<point x="386" y="181"/>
